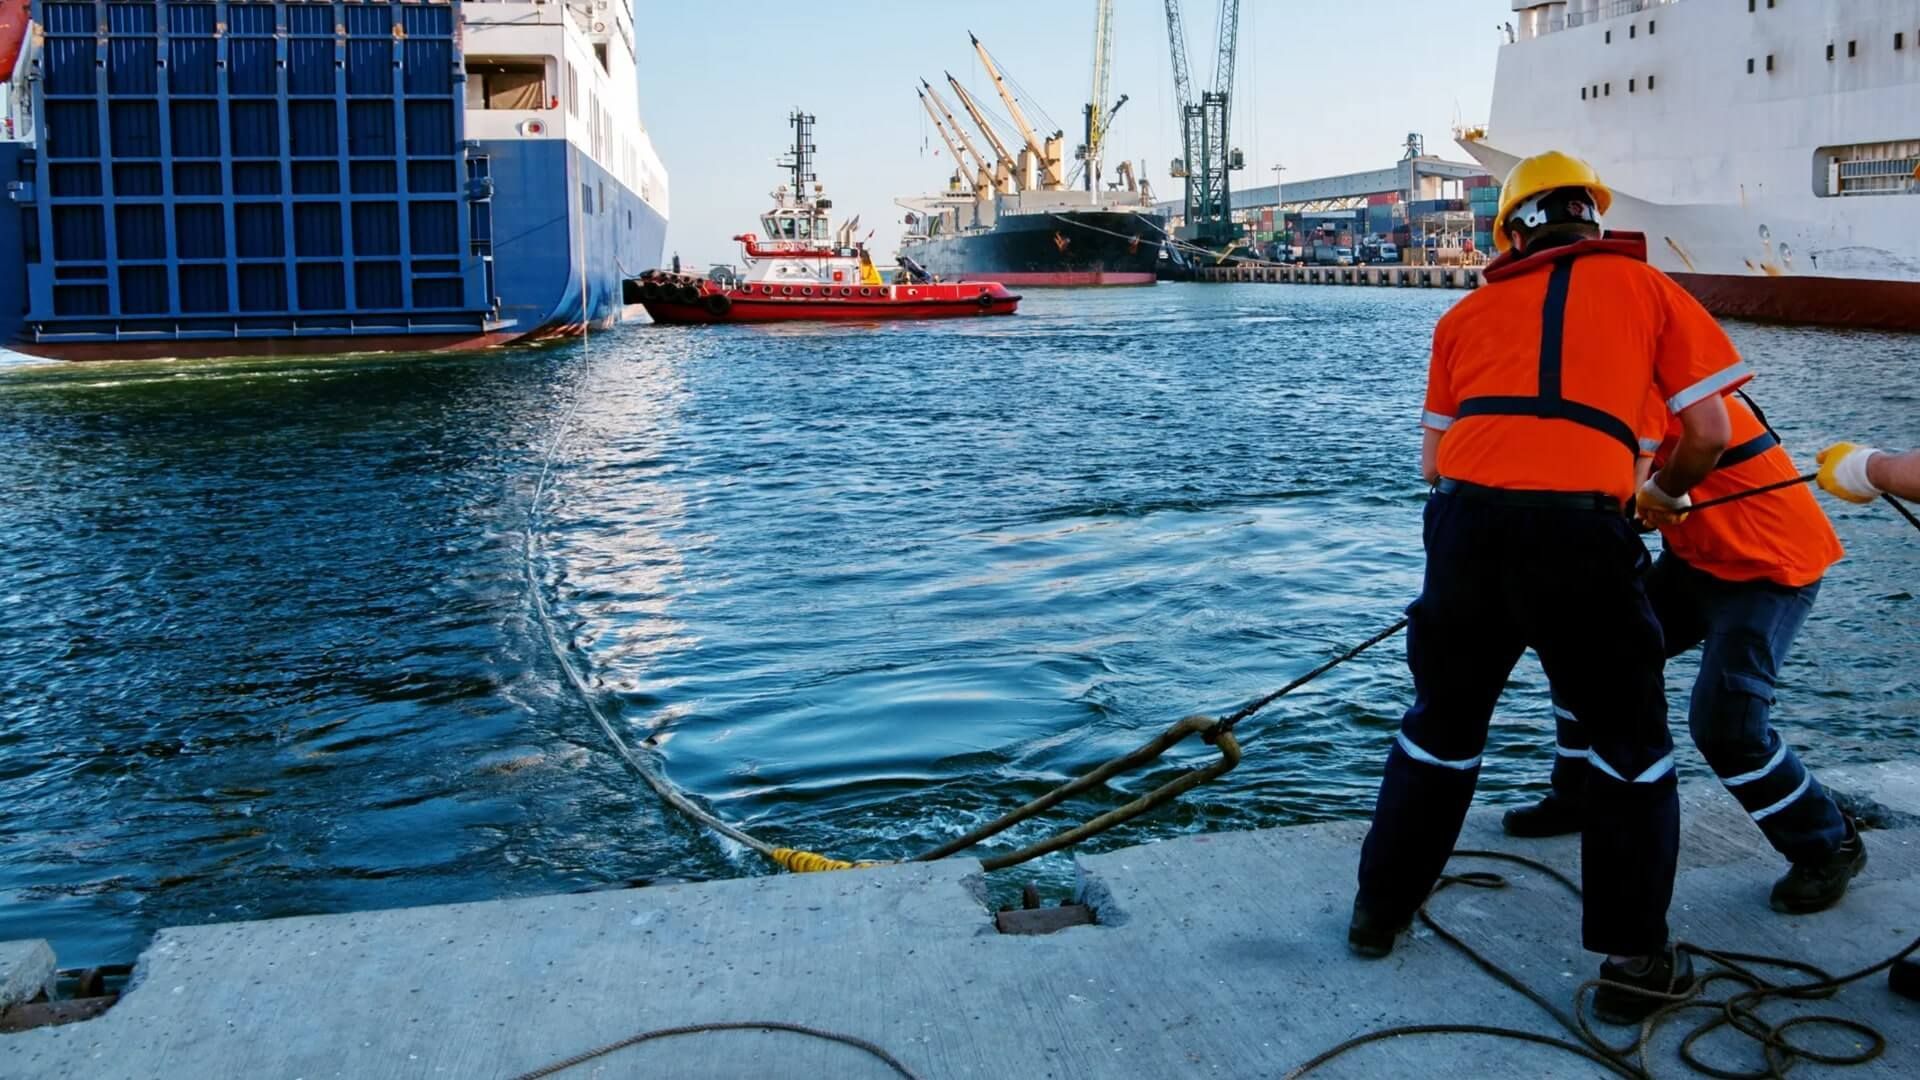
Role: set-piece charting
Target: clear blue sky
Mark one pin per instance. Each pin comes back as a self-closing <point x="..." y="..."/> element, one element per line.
<point x="1322" y="87"/>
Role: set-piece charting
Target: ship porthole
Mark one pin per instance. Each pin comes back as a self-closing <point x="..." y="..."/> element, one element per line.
<point x="846" y="292"/>
<point x="808" y="291"/>
<point x="866" y="291"/>
<point x="786" y="290"/>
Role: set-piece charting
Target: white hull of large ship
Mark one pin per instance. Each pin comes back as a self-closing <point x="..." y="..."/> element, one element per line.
<point x="1834" y="262"/>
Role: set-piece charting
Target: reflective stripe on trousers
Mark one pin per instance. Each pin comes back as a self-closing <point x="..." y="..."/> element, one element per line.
<point x="1500" y="579"/>
<point x="1747" y="629"/>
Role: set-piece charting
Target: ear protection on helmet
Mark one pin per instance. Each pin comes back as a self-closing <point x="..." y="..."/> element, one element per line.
<point x="1558" y="204"/>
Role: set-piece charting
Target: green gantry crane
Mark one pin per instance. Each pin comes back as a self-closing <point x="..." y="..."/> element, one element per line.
<point x="1210" y="160"/>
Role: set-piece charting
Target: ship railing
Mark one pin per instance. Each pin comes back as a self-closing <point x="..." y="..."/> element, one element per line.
<point x="1593" y="11"/>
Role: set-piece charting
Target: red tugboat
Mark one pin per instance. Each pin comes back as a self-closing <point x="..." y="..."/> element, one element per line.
<point x="803" y="268"/>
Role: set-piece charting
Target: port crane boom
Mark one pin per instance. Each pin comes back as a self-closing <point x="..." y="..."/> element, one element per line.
<point x="1099" y="115"/>
<point x="959" y="162"/>
<point x="1210" y="160"/>
<point x="1046" y="157"/>
<point x="1003" y="166"/>
<point x="928" y="93"/>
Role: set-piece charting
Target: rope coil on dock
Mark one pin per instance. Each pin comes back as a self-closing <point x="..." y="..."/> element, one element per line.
<point x="1738" y="1011"/>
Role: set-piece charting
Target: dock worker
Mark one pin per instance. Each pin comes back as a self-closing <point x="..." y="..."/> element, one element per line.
<point x="1738" y="581"/>
<point x="1861" y="474"/>
<point x="1535" y="385"/>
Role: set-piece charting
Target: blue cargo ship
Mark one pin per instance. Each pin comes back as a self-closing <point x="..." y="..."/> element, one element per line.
<point x="192" y="178"/>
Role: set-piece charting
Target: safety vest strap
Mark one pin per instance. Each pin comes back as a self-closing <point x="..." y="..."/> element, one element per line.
<point x="1549" y="403"/>
<point x="1748" y="450"/>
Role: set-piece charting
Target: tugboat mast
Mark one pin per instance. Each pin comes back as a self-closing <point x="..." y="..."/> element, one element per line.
<point x="799" y="160"/>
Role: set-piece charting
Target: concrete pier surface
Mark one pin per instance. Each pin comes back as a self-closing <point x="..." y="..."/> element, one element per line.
<point x="1219" y="955"/>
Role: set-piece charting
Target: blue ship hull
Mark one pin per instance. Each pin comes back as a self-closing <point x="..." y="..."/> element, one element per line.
<point x="564" y="227"/>
<point x="263" y="178"/>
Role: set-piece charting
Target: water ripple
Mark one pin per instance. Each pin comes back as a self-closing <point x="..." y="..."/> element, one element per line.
<point x="266" y="644"/>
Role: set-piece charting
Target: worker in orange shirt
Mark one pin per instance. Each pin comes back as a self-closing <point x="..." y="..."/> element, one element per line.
<point x="1536" y="383"/>
<point x="1737" y="580"/>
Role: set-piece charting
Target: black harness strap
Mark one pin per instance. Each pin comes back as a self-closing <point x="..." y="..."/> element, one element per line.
<point x="1758" y="415"/>
<point x="1748" y="450"/>
<point x="1755" y="446"/>
<point x="1550" y="403"/>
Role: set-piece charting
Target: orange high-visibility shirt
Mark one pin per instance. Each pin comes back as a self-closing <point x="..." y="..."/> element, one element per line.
<point x="1782" y="536"/>
<point x="1539" y="378"/>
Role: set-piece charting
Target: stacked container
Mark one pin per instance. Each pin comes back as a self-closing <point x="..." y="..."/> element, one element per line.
<point x="1485" y="200"/>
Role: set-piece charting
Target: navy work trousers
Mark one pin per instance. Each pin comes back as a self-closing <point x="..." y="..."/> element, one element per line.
<point x="1569" y="584"/>
<point x="1746" y="629"/>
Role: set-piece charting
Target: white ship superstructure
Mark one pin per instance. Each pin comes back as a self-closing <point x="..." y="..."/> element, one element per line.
<point x="1769" y="149"/>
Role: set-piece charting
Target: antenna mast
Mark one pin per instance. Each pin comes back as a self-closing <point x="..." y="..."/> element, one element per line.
<point x="799" y="160"/>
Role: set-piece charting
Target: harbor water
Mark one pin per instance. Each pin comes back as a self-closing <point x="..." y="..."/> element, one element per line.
<point x="280" y="637"/>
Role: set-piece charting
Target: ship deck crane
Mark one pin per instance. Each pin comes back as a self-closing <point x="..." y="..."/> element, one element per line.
<point x="959" y="162"/>
<point x="1210" y="160"/>
<point x="1003" y="176"/>
<point x="1045" y="158"/>
<point x="928" y="93"/>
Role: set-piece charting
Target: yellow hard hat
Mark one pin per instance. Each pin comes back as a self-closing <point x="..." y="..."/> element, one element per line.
<point x="1545" y="172"/>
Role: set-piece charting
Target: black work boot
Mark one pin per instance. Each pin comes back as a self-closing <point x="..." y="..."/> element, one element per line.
<point x="1904" y="979"/>
<point x="1817" y="886"/>
<point x="1371" y="936"/>
<point x="1551" y="816"/>
<point x="1670" y="974"/>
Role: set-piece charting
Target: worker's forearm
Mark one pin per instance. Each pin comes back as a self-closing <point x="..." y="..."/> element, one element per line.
<point x="1690" y="464"/>
<point x="1896" y="473"/>
<point x="1430" y="455"/>
<point x="1705" y="430"/>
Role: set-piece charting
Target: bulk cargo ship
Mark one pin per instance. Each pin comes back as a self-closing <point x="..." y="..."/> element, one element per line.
<point x="213" y="178"/>
<point x="1770" y="152"/>
<point x="1016" y="217"/>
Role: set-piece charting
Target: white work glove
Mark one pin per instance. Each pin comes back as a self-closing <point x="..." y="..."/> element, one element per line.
<point x="1657" y="509"/>
<point x="1843" y="472"/>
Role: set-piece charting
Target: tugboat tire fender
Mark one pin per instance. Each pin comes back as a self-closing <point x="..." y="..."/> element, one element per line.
<point x="719" y="305"/>
<point x="650" y="291"/>
<point x="688" y="294"/>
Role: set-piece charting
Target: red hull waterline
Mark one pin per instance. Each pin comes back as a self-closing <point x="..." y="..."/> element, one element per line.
<point x="268" y="348"/>
<point x="760" y="303"/>
<point x="1858" y="303"/>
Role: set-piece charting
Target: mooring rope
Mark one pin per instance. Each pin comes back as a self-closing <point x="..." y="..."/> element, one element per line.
<point x="575" y="676"/>
<point x="1219" y="732"/>
<point x="1737" y="1011"/>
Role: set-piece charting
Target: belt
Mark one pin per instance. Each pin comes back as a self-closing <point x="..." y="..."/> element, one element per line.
<point x="1538" y="500"/>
